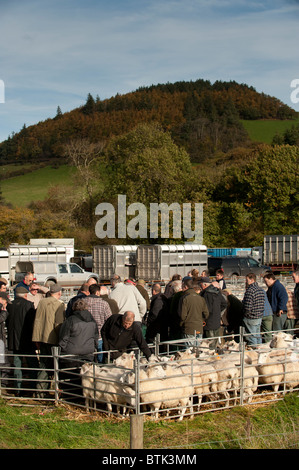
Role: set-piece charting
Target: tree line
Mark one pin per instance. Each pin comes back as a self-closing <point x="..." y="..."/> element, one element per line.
<point x="203" y="118"/>
<point x="241" y="202"/>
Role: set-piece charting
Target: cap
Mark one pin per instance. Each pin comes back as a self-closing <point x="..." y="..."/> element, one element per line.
<point x="54" y="288"/>
<point x="205" y="280"/>
<point x="21" y="290"/>
<point x="4" y="296"/>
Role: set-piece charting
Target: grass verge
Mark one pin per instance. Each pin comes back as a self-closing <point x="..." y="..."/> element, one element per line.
<point x="271" y="426"/>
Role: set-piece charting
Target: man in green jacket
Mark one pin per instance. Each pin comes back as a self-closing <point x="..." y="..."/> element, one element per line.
<point x="50" y="314"/>
<point x="193" y="312"/>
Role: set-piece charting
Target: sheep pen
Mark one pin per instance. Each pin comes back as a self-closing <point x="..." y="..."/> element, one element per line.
<point x="194" y="380"/>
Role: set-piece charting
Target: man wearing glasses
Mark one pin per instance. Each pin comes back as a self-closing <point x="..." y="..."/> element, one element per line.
<point x="36" y="293"/>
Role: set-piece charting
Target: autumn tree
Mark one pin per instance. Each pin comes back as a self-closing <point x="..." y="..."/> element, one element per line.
<point x="85" y="156"/>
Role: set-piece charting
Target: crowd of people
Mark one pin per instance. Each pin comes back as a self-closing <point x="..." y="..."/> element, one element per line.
<point x="126" y="317"/>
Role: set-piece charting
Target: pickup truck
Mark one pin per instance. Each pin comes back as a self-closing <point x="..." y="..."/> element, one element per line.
<point x="235" y="266"/>
<point x="49" y="272"/>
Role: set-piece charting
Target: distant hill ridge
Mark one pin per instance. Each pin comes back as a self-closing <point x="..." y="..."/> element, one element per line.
<point x="202" y="117"/>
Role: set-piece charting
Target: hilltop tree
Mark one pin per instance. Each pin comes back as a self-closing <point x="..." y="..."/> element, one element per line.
<point x="90" y="105"/>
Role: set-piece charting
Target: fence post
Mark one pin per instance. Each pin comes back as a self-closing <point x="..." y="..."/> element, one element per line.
<point x="136" y="432"/>
<point x="136" y="421"/>
<point x="55" y="354"/>
<point x="242" y="363"/>
<point x="137" y="383"/>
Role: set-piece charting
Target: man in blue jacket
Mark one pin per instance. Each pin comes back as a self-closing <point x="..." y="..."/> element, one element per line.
<point x="278" y="298"/>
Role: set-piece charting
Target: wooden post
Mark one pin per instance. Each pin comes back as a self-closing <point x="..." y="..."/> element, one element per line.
<point x="136" y="432"/>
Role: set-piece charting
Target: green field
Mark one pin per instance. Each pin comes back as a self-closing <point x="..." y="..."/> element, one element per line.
<point x="21" y="190"/>
<point x="265" y="130"/>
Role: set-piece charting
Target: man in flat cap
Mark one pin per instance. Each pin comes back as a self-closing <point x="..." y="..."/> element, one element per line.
<point x="50" y="314"/>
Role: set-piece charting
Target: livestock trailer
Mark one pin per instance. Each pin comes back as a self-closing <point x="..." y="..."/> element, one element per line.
<point x="56" y="250"/>
<point x="161" y="262"/>
<point x="114" y="259"/>
<point x="281" y="252"/>
<point x="4" y="264"/>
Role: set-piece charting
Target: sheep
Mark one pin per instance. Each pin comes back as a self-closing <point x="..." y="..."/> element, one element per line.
<point x="163" y="387"/>
<point x="204" y="375"/>
<point x="125" y="360"/>
<point x="250" y="382"/>
<point x="104" y="384"/>
<point x="228" y="378"/>
<point x="275" y="371"/>
<point x="281" y="340"/>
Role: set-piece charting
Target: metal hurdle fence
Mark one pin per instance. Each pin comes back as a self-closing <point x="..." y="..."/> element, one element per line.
<point x="56" y="378"/>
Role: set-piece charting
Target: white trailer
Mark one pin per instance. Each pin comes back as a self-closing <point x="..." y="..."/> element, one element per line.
<point x="4" y="265"/>
<point x="56" y="250"/>
<point x="114" y="259"/>
<point x="161" y="262"/>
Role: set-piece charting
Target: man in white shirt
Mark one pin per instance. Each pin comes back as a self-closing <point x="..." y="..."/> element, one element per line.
<point x="128" y="298"/>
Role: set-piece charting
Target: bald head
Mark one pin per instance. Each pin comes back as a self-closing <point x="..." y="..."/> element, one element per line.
<point x="128" y="319"/>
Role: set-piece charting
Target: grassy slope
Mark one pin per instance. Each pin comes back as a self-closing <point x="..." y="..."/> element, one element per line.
<point x="264" y="130"/>
<point x="21" y="190"/>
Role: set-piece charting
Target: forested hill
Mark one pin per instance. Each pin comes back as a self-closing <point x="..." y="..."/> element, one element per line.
<point x="202" y="117"/>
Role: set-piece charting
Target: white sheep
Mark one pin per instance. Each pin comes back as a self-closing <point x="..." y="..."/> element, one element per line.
<point x="281" y="340"/>
<point x="104" y="384"/>
<point x="228" y="378"/>
<point x="204" y="376"/>
<point x="125" y="360"/>
<point x="276" y="371"/>
<point x="250" y="382"/>
<point x="162" y="387"/>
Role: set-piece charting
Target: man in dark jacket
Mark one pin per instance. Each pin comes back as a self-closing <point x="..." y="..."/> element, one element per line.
<point x="82" y="294"/>
<point x="157" y="320"/>
<point x="19" y="330"/>
<point x="278" y="298"/>
<point x="78" y="337"/>
<point x="216" y="304"/>
<point x="193" y="312"/>
<point x="119" y="331"/>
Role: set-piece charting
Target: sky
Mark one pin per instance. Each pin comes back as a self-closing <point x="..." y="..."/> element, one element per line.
<point x="55" y="52"/>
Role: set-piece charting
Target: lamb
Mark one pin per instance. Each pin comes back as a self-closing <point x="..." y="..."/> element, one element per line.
<point x="204" y="375"/>
<point x="161" y="387"/>
<point x="250" y="382"/>
<point x="281" y="340"/>
<point x="228" y="378"/>
<point x="103" y="384"/>
<point x="276" y="371"/>
<point x="125" y="360"/>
